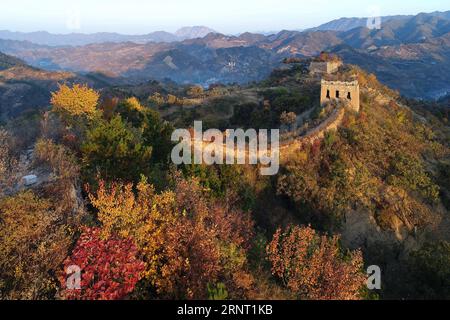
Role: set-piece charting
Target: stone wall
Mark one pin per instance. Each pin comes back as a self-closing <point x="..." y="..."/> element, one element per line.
<point x="330" y="124"/>
<point x="318" y="133"/>
<point x="344" y="91"/>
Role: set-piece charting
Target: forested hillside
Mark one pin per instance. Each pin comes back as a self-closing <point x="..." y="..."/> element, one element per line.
<point x="373" y="192"/>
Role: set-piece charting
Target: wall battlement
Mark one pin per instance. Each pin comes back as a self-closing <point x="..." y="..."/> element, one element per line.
<point x="344" y="91"/>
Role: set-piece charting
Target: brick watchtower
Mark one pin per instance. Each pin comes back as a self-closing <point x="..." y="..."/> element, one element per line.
<point x="345" y="91"/>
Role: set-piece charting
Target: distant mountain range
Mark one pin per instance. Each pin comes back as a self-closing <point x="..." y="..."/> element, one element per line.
<point x="346" y="24"/>
<point x="408" y="53"/>
<point x="80" y="39"/>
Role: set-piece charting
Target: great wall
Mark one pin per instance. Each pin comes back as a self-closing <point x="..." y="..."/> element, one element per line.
<point x="342" y="94"/>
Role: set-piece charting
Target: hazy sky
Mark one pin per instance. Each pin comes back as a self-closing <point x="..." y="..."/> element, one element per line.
<point x="227" y="16"/>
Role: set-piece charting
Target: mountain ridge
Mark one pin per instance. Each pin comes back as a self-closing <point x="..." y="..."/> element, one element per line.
<point x="80" y="39"/>
<point x="349" y="23"/>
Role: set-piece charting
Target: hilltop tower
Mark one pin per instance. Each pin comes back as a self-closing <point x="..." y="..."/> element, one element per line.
<point x="345" y="91"/>
<point x="325" y="64"/>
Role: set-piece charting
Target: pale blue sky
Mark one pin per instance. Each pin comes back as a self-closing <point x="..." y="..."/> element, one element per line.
<point x="227" y="16"/>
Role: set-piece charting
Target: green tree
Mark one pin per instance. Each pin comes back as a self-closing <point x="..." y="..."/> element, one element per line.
<point x="217" y="292"/>
<point x="430" y="268"/>
<point x="115" y="150"/>
<point x="131" y="111"/>
<point x="155" y="132"/>
<point x="408" y="172"/>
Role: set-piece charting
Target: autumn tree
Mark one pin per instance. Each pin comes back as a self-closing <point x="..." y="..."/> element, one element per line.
<point x="187" y="240"/>
<point x="75" y="102"/>
<point x="314" y="267"/>
<point x="110" y="268"/>
<point x="33" y="244"/>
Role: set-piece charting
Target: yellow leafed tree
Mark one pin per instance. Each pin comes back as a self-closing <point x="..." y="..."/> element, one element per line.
<point x="75" y="101"/>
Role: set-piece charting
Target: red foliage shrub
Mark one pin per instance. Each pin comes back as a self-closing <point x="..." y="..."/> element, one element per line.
<point x="109" y="267"/>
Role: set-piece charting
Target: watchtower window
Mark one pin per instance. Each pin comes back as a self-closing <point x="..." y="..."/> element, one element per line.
<point x="349" y="96"/>
<point x="328" y="94"/>
<point x="337" y="94"/>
